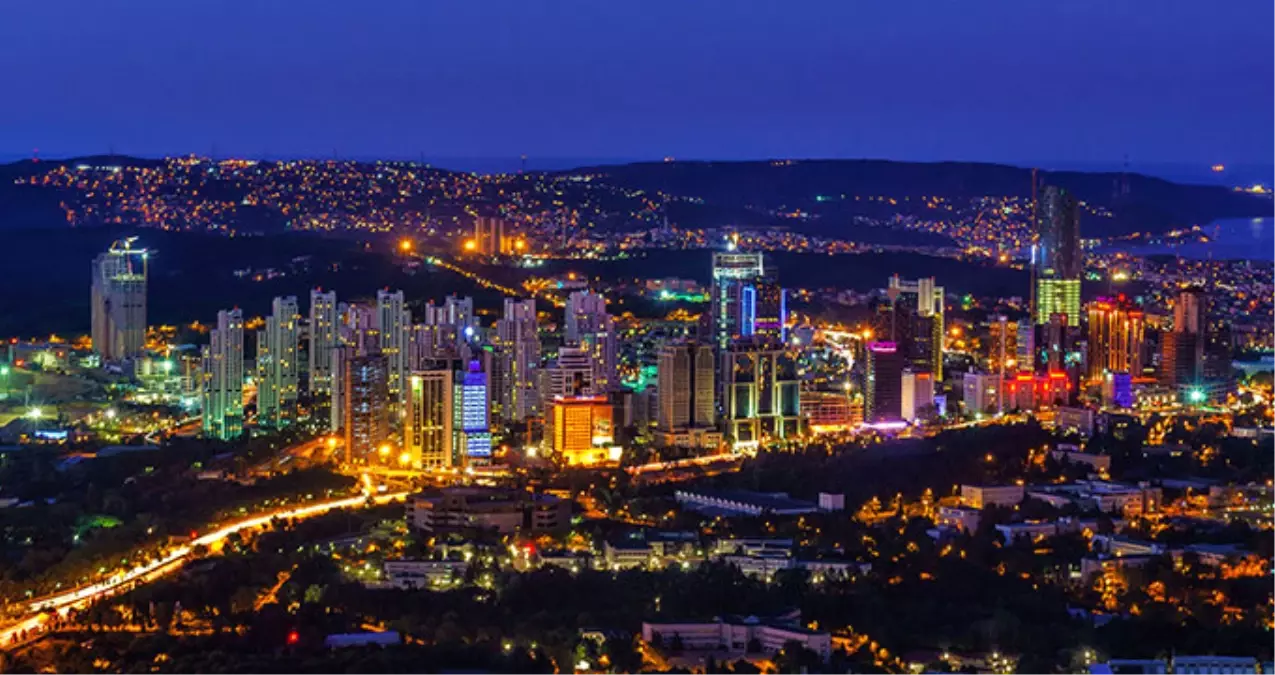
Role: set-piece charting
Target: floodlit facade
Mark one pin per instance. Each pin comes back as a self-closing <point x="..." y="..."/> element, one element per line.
<point x="323" y="340"/>
<point x="428" y="441"/>
<point x="119" y="301"/>
<point x="365" y="406"/>
<point x="393" y="321"/>
<point x="277" y="373"/>
<point x="686" y="382"/>
<point x="471" y="423"/>
<point x="223" y="373"/>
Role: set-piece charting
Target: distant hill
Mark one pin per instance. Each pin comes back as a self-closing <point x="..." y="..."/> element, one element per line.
<point x="1149" y="205"/>
<point x="808" y="196"/>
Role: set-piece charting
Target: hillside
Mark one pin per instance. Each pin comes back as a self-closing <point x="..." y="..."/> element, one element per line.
<point x="1150" y="204"/>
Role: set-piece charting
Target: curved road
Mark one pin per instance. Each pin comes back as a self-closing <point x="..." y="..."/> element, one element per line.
<point x="85" y="595"/>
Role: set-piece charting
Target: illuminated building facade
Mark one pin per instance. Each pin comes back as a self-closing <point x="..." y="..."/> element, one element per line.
<point x="588" y="325"/>
<point x="746" y="300"/>
<point x="1035" y="391"/>
<point x="223" y="378"/>
<point x="1057" y="297"/>
<point x="1057" y="260"/>
<point x="1116" y="332"/>
<point x="471" y="423"/>
<point x="686" y="382"/>
<point x="883" y="390"/>
<point x="277" y="373"/>
<point x="393" y="321"/>
<point x="828" y="411"/>
<point x="365" y="403"/>
<point x="917" y="397"/>
<point x="323" y="340"/>
<point x="920" y="304"/>
<point x="517" y="354"/>
<point x="981" y="393"/>
<point x="119" y="301"/>
<point x="428" y="433"/>
<point x="761" y="395"/>
<point x="580" y="429"/>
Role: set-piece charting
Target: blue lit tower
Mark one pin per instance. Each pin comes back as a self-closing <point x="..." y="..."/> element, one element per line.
<point x="471" y="426"/>
<point x="747" y="301"/>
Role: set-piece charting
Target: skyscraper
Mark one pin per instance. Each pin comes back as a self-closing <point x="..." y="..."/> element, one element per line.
<point x="223" y="377"/>
<point x="277" y="365"/>
<point x="365" y="405"/>
<point x="428" y="441"/>
<point x="747" y="300"/>
<point x="917" y="395"/>
<point x="1182" y="355"/>
<point x="687" y="414"/>
<point x="920" y="304"/>
<point x="323" y="340"/>
<point x="119" y="301"/>
<point x="393" y="321"/>
<point x="1116" y="332"/>
<point x="471" y="423"/>
<point x="517" y="338"/>
<point x="761" y="395"/>
<point x="883" y="390"/>
<point x="588" y="325"/>
<point x="1057" y="261"/>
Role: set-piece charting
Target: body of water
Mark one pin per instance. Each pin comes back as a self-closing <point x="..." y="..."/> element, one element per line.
<point x="1229" y="239"/>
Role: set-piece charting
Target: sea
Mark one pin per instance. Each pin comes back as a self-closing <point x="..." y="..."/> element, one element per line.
<point x="1229" y="239"/>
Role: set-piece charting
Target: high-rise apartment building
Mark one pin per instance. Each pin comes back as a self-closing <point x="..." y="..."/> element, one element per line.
<point x="365" y="404"/>
<point x="517" y="340"/>
<point x="686" y="384"/>
<point x="223" y="378"/>
<point x="119" y="301"/>
<point x="393" y="321"/>
<point x="587" y="324"/>
<point x="277" y="374"/>
<point x="323" y="340"/>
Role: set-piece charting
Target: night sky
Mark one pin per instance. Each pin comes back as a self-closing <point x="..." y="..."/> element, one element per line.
<point x="1077" y="81"/>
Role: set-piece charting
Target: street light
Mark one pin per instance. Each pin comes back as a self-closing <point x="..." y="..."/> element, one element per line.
<point x="35" y="413"/>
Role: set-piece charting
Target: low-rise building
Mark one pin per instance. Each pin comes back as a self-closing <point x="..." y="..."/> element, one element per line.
<point x="501" y="510"/>
<point x="982" y="496"/>
<point x="413" y="574"/>
<point x="733" y="634"/>
<point x="743" y="503"/>
<point x="962" y="518"/>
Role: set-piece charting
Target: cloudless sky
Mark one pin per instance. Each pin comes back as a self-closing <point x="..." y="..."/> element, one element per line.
<point x="1011" y="80"/>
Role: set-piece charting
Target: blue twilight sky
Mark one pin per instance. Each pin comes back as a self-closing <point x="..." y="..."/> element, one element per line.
<point x="1012" y="80"/>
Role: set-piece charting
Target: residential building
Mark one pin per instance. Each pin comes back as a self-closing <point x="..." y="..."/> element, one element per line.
<point x="223" y="378"/>
<point x="323" y="340"/>
<point x="277" y="372"/>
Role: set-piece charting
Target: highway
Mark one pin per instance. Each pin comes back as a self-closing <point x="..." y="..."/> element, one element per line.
<point x="172" y="561"/>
